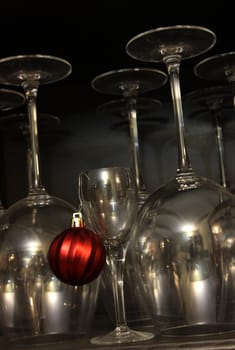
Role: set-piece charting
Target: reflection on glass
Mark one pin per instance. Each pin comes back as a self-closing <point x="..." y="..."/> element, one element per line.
<point x="221" y="67"/>
<point x="217" y="104"/>
<point x="130" y="83"/>
<point x="175" y="217"/>
<point x="109" y="202"/>
<point x="29" y="225"/>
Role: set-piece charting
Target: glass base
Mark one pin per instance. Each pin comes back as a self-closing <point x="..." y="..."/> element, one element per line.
<point x="121" y="335"/>
<point x="199" y="329"/>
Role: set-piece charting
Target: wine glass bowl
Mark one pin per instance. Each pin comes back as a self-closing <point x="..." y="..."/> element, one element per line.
<point x="109" y="203"/>
<point x="173" y="241"/>
<point x="104" y="197"/>
<point x="222" y="222"/>
<point x="179" y="276"/>
<point x="37" y="307"/>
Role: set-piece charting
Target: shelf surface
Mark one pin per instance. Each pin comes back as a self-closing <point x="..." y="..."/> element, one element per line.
<point x="221" y="341"/>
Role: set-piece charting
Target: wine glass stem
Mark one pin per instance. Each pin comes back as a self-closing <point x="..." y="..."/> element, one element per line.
<point x="29" y="167"/>
<point x="220" y="146"/>
<point x="116" y="262"/>
<point x="173" y="68"/>
<point x="31" y="90"/>
<point x="134" y="143"/>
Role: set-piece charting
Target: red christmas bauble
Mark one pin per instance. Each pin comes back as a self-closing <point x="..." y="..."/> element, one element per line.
<point x="77" y="256"/>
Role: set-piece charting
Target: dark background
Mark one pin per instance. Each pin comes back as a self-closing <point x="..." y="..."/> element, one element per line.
<point x="92" y="36"/>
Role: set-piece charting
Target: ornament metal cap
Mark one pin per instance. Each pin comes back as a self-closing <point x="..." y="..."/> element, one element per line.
<point x="77" y="220"/>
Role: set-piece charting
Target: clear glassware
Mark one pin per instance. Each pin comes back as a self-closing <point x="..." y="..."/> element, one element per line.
<point x="36" y="307"/>
<point x="221" y="67"/>
<point x="18" y="125"/>
<point x="145" y="111"/>
<point x="216" y="104"/>
<point x="130" y="83"/>
<point x="174" y="245"/>
<point x="9" y="99"/>
<point x="109" y="203"/>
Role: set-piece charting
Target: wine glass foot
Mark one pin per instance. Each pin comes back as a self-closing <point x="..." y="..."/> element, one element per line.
<point x="121" y="335"/>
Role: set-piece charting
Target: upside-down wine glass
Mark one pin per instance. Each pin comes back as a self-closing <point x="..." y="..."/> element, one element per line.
<point x="109" y="201"/>
<point x="221" y="67"/>
<point x="9" y="99"/>
<point x="216" y="104"/>
<point x="151" y="117"/>
<point x="34" y="303"/>
<point x="174" y="253"/>
<point x="129" y="83"/>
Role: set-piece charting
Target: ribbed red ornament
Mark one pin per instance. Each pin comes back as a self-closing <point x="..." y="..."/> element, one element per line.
<point x="77" y="256"/>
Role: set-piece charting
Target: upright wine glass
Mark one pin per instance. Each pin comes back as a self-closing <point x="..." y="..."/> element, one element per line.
<point x="173" y="240"/>
<point x="130" y="83"/>
<point x="216" y="104"/>
<point x="109" y="202"/>
<point x="9" y="99"/>
<point x="146" y="112"/>
<point x="34" y="303"/>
